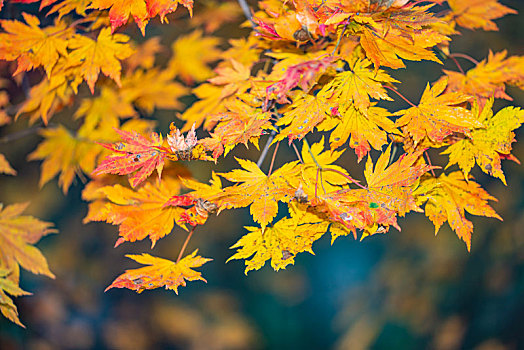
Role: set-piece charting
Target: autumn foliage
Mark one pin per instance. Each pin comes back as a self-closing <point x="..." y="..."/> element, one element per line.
<point x="306" y="67"/>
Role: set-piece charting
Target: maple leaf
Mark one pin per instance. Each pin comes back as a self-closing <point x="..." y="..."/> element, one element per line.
<point x="160" y="273"/>
<point x="47" y="97"/>
<point x="215" y="14"/>
<point x="396" y="33"/>
<point x="7" y="286"/>
<point x="235" y="78"/>
<point x="63" y="153"/>
<point x="302" y="116"/>
<point x="141" y="10"/>
<point x="488" y="78"/>
<point x="374" y="208"/>
<point x="438" y="115"/>
<point x="66" y="6"/>
<point x="331" y="176"/>
<point x="140" y="213"/>
<point x="475" y="14"/>
<point x="5" y="167"/>
<point x="210" y="103"/>
<point x="32" y="46"/>
<point x="242" y="124"/>
<point x="135" y="154"/>
<point x="367" y="128"/>
<point x="191" y="55"/>
<point x="358" y="84"/>
<point x="282" y="241"/>
<point x="489" y="145"/>
<point x="257" y="190"/>
<point x="18" y="233"/>
<point x="304" y="75"/>
<point x="103" y="54"/>
<point x="391" y="185"/>
<point x="448" y="197"/>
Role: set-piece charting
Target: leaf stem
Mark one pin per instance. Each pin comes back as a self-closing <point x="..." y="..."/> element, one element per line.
<point x="429" y="163"/>
<point x="273" y="159"/>
<point x="402" y="96"/>
<point x="297" y="152"/>
<point x="185" y="243"/>
<point x="467" y="57"/>
<point x="320" y="168"/>
<point x="458" y="64"/>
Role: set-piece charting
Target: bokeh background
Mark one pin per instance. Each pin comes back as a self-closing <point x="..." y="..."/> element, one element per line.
<point x="404" y="290"/>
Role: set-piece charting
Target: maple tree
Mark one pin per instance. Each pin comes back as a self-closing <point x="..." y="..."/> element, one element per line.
<point x="305" y="67"/>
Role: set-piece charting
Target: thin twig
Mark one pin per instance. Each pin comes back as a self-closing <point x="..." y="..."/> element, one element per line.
<point x="316" y="182"/>
<point x="266" y="148"/>
<point x="339" y="39"/>
<point x="247" y="11"/>
<point x="185" y="243"/>
<point x="20" y="134"/>
<point x="273" y="159"/>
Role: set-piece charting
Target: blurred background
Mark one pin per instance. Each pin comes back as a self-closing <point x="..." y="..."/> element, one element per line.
<point x="403" y="290"/>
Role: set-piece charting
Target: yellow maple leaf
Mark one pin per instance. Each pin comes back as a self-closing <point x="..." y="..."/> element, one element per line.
<point x="160" y="273"/>
<point x="65" y="154"/>
<point x="18" y="233"/>
<point x="365" y="128"/>
<point x="282" y="241"/>
<point x="357" y="85"/>
<point x="448" y="197"/>
<point x="233" y="77"/>
<point x="438" y="115"/>
<point x="191" y="57"/>
<point x="257" y="190"/>
<point x="324" y="178"/>
<point x="487" y="146"/>
<point x="103" y="54"/>
<point x="302" y="116"/>
<point x="7" y="286"/>
<point x="475" y="14"/>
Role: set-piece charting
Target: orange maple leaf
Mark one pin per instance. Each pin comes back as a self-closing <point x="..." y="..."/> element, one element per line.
<point x="141" y="10"/>
<point x="33" y="46"/>
<point x="160" y="273"/>
<point x="448" y="197"/>
<point x="141" y="213"/>
<point x="488" y="78"/>
<point x="475" y="14"/>
<point x="438" y="115"/>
